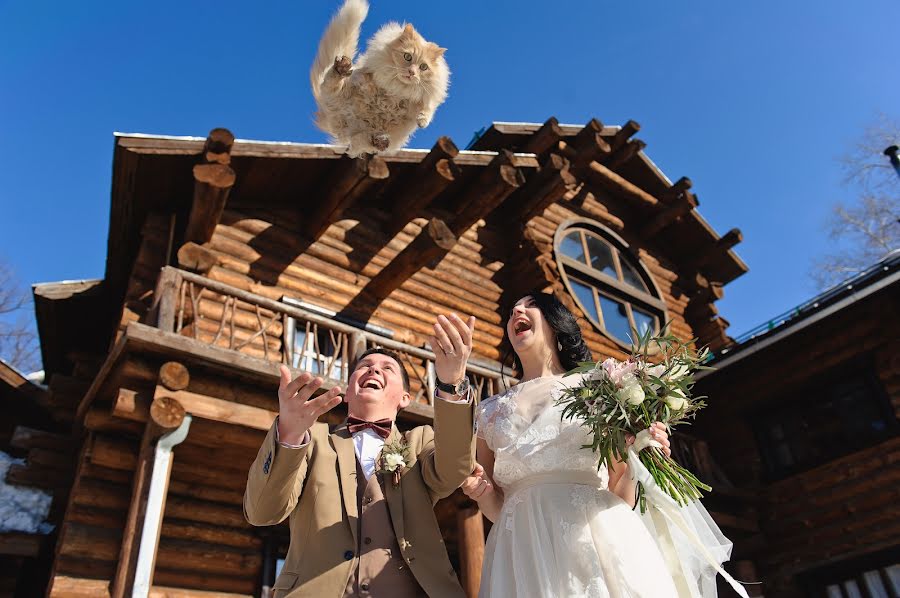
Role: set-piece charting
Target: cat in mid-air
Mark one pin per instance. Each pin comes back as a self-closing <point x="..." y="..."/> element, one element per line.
<point x="374" y="104"/>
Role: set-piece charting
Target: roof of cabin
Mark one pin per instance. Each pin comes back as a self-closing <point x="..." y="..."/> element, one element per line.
<point x="154" y="173"/>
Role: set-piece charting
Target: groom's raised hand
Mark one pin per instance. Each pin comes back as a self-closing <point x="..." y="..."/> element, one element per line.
<point x="296" y="411"/>
<point x="452" y="345"/>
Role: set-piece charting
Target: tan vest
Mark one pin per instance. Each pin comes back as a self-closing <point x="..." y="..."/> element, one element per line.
<point x="380" y="569"/>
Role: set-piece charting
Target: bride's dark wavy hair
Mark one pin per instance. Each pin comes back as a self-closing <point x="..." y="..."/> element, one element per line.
<point x="570" y="346"/>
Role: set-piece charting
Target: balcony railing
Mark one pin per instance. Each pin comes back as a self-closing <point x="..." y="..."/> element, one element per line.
<point x="225" y="316"/>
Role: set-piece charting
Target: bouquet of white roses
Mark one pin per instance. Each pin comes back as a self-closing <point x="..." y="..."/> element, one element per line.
<point x="620" y="398"/>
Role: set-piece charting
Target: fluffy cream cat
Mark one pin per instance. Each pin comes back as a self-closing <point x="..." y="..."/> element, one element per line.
<point x="375" y="104"/>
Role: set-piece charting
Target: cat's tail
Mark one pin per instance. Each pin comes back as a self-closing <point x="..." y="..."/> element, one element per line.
<point x="341" y="39"/>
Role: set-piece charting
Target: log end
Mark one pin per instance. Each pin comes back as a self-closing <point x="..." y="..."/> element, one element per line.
<point x="174" y="375"/>
<point x="446" y="146"/>
<point x="167" y="413"/>
<point x="192" y="256"/>
<point x="215" y="175"/>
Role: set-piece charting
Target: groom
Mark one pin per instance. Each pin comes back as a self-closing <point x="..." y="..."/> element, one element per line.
<point x="361" y="496"/>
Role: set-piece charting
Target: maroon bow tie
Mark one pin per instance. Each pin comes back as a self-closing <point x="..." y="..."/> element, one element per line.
<point x="382" y="427"/>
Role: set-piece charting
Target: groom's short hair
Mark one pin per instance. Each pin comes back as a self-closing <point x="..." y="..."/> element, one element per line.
<point x="388" y="353"/>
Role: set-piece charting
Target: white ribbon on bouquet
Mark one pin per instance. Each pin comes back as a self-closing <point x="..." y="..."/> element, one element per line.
<point x="691" y="543"/>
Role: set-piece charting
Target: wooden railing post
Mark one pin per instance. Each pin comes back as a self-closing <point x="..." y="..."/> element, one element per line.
<point x="165" y="298"/>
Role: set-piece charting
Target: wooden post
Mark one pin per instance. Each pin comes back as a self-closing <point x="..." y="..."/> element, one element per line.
<point x="350" y="180"/>
<point x="165" y="298"/>
<point x="471" y="547"/>
<point x="164" y="417"/>
<point x="213" y="180"/>
<point x="212" y="185"/>
<point x="357" y="347"/>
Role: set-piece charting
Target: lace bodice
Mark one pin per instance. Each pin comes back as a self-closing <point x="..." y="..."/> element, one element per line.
<point x="525" y="430"/>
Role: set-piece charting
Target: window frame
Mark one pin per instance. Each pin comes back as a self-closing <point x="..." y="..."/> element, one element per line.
<point x="601" y="283"/>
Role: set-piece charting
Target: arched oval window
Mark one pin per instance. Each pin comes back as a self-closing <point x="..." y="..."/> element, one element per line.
<point x="610" y="285"/>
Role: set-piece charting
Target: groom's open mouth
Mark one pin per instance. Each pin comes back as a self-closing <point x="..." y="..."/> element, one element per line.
<point x="371" y="383"/>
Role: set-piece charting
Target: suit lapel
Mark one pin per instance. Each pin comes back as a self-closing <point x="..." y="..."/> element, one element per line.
<point x="342" y="442"/>
<point x="394" y="494"/>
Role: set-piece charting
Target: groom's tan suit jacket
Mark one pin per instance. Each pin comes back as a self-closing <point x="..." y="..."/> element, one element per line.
<point x="316" y="486"/>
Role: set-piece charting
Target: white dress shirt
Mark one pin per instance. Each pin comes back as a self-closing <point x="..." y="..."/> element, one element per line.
<point x="367" y="442"/>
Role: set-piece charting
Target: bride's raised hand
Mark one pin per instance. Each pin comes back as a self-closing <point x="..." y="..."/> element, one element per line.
<point x="452" y="345"/>
<point x="477" y="486"/>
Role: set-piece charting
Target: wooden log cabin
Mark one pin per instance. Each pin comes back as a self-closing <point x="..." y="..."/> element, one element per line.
<point x="229" y="257"/>
<point x="806" y="420"/>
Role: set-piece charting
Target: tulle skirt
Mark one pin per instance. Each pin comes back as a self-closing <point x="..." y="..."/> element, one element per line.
<point x="561" y="535"/>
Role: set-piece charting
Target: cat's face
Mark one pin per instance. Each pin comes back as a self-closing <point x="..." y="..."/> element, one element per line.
<point x="416" y="60"/>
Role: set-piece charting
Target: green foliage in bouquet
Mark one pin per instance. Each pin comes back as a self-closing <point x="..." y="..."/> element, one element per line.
<point x="620" y="398"/>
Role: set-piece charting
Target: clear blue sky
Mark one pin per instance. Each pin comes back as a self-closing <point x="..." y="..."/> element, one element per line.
<point x="754" y="101"/>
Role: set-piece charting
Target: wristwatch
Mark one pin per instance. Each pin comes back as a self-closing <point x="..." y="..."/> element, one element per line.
<point x="460" y="389"/>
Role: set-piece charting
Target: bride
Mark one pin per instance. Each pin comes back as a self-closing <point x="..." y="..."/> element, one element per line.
<point x="561" y="527"/>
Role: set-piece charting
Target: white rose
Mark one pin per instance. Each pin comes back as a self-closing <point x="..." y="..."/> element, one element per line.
<point x="631" y="391"/>
<point x="675" y="403"/>
<point x="392" y="460"/>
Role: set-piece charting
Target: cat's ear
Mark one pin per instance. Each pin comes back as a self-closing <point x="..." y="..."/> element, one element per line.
<point x="435" y="50"/>
<point x="409" y="32"/>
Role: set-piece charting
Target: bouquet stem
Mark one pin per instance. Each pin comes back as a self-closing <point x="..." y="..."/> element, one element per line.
<point x="672" y="478"/>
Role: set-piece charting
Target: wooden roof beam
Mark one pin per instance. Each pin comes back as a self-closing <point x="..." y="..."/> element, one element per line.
<point x="213" y="180"/>
<point x="487" y="191"/>
<point x="603" y="176"/>
<point x="628" y="130"/>
<point x="543" y="139"/>
<point x="217" y="148"/>
<point x="587" y="146"/>
<point x="679" y="187"/>
<point x="429" y="179"/>
<point x="624" y="153"/>
<point x="539" y="191"/>
<point x="350" y="180"/>
<point x="681" y="206"/>
<point x="435" y="240"/>
<point x="722" y="245"/>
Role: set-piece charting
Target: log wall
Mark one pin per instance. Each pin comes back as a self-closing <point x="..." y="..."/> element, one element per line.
<point x="843" y="509"/>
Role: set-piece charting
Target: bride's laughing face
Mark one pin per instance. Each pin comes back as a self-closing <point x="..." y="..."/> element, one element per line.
<point x="528" y="330"/>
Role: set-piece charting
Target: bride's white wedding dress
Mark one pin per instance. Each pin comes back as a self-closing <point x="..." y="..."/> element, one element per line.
<point x="561" y="532"/>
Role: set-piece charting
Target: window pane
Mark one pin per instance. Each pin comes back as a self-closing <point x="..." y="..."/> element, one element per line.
<point x="586" y="298"/>
<point x="615" y="319"/>
<point x="571" y="246"/>
<point x="852" y="589"/>
<point x="876" y="589"/>
<point x="893" y="573"/>
<point x="601" y="256"/>
<point x="834" y="591"/>
<point x="630" y="274"/>
<point x="643" y="320"/>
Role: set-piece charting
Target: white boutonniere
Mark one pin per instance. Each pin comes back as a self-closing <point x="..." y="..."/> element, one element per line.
<point x="394" y="459"/>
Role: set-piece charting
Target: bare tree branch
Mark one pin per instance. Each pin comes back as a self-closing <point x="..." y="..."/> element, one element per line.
<point x="18" y="340"/>
<point x="865" y="230"/>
